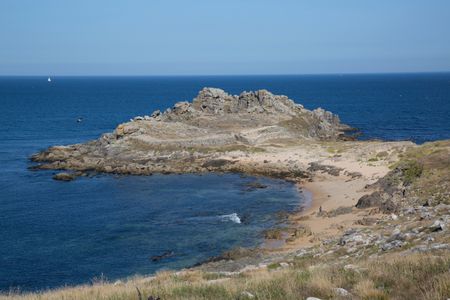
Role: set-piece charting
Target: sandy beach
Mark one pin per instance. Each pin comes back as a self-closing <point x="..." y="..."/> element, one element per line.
<point x="345" y="171"/>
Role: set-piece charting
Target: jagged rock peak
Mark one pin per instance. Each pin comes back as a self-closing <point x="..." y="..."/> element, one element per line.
<point x="261" y="105"/>
<point x="217" y="101"/>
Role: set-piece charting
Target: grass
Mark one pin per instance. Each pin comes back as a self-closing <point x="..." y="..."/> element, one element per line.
<point x="335" y="147"/>
<point x="417" y="276"/>
<point x="412" y="170"/>
<point x="274" y="233"/>
<point x="427" y="170"/>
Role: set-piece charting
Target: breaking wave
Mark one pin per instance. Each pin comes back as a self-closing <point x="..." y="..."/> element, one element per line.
<point x="231" y="217"/>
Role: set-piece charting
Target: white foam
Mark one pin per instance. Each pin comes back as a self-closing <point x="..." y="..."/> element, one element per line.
<point x="231" y="217"/>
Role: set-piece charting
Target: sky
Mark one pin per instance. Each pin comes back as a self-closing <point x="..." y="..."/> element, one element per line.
<point x="212" y="37"/>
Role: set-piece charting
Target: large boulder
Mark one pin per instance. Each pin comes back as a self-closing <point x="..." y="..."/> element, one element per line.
<point x="371" y="200"/>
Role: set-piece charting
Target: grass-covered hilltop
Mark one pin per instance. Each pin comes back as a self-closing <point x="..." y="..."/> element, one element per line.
<point x="377" y="226"/>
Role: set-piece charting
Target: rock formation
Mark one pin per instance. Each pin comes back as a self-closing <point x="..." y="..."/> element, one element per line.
<point x="185" y="137"/>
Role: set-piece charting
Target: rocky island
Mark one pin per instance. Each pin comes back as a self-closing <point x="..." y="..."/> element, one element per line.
<point x="377" y="226"/>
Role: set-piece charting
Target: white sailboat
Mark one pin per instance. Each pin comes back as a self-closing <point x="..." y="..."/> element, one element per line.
<point x="49" y="79"/>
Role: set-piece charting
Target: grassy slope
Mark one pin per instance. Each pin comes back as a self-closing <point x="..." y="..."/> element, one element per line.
<point x="395" y="277"/>
<point x="429" y="174"/>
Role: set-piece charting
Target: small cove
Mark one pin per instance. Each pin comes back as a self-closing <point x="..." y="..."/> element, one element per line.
<point x="66" y="233"/>
<point x="56" y="233"/>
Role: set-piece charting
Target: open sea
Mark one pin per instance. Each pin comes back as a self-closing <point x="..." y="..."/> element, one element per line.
<point x="65" y="233"/>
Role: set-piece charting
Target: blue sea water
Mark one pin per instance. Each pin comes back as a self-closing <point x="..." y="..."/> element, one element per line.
<point x="64" y="233"/>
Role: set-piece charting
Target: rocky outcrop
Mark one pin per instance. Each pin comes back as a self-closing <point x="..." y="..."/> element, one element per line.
<point x="189" y="136"/>
<point x="63" y="176"/>
<point x="421" y="177"/>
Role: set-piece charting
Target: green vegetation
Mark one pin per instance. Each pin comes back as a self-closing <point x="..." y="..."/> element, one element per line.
<point x="412" y="170"/>
<point x="382" y="154"/>
<point x="273" y="234"/>
<point x="427" y="170"/>
<point x="422" y="174"/>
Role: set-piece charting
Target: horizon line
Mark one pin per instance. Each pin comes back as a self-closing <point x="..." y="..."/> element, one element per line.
<point x="231" y="75"/>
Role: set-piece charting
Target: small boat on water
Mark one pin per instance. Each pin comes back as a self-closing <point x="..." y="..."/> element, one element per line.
<point x="49" y="79"/>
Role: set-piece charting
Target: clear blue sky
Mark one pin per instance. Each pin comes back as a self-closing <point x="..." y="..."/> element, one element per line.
<point x="165" y="37"/>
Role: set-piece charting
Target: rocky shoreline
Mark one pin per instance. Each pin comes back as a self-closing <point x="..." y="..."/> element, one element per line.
<point x="371" y="199"/>
<point x="191" y="137"/>
<point x="255" y="133"/>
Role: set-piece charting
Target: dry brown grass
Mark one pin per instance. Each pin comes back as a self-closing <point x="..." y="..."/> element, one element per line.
<point x="416" y="276"/>
<point x="434" y="180"/>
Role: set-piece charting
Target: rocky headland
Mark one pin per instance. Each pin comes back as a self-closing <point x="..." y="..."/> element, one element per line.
<point x="377" y="226"/>
<point x="189" y="137"/>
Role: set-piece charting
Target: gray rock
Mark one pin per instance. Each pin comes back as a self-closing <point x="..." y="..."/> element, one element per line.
<point x="341" y="292"/>
<point x="156" y="113"/>
<point x="440" y="246"/>
<point x="426" y="215"/>
<point x="246" y="295"/>
<point x="409" y="211"/>
<point x="438" y="225"/>
<point x="332" y="170"/>
<point x="388" y="206"/>
<point x="118" y="282"/>
<point x="188" y="135"/>
<point x="370" y="200"/>
<point x="393" y="245"/>
<point x="63" y="176"/>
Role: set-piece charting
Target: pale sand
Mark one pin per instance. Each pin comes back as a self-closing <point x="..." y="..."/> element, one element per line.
<point x="328" y="191"/>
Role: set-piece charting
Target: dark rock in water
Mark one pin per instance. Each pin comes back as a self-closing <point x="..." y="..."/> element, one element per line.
<point x="166" y="254"/>
<point x="64" y="176"/>
<point x="245" y="219"/>
<point x="251" y="186"/>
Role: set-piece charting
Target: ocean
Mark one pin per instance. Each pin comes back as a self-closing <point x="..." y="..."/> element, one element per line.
<point x="65" y="233"/>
